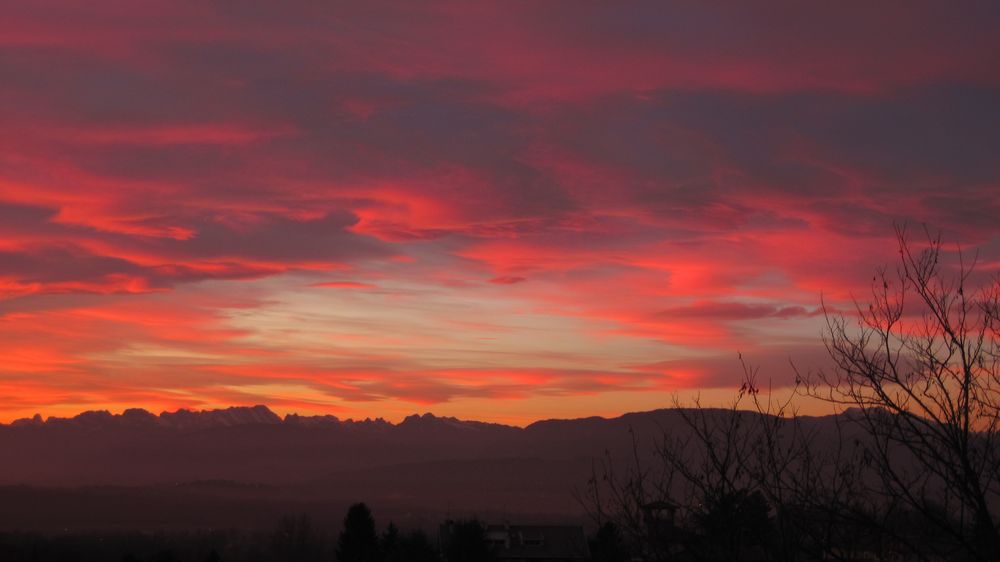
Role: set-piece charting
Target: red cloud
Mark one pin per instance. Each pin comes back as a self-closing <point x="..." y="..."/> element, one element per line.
<point x="507" y="280"/>
<point x="343" y="285"/>
<point x="676" y="179"/>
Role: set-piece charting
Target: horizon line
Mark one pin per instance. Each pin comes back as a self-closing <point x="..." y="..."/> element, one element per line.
<point x="38" y="418"/>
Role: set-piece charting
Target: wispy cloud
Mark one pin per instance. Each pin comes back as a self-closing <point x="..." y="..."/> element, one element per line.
<point x="450" y="203"/>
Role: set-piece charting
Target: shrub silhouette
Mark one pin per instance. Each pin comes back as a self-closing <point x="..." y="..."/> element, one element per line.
<point x="467" y="542"/>
<point x="411" y="547"/>
<point x="607" y="544"/>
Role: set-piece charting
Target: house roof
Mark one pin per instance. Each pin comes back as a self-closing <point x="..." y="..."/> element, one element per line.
<point x="541" y="542"/>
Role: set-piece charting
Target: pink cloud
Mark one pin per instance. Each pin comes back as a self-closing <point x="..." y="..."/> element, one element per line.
<point x="680" y="179"/>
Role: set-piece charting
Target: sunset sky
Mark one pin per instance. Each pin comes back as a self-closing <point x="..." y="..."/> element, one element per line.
<point x="500" y="211"/>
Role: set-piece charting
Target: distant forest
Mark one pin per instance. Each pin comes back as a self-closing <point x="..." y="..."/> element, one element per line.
<point x="293" y="539"/>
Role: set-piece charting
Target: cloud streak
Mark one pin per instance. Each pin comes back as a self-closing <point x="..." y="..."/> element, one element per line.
<point x="364" y="207"/>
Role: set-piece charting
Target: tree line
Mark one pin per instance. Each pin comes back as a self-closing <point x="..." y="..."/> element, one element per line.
<point x="294" y="539"/>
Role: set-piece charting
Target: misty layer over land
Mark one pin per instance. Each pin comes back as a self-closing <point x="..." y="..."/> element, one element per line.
<point x="244" y="467"/>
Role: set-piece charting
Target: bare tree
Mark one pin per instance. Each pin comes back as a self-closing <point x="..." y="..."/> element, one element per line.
<point x="632" y="496"/>
<point x="919" y="368"/>
<point x="704" y="488"/>
<point x="910" y="466"/>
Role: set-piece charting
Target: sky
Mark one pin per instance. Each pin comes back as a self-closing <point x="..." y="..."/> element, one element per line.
<point x="503" y="211"/>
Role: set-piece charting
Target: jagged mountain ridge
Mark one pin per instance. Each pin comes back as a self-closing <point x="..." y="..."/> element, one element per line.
<point x="228" y="417"/>
<point x="254" y="445"/>
<point x="250" y="463"/>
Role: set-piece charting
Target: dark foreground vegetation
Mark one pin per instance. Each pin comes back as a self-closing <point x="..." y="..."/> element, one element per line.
<point x="911" y="471"/>
<point x="294" y="539"/>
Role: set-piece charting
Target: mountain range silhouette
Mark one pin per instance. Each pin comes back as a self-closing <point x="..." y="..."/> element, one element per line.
<point x="245" y="466"/>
